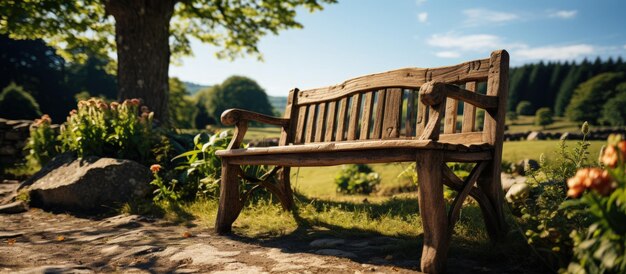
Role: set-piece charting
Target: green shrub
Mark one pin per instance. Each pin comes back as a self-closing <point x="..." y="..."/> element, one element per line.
<point x="524" y="108"/>
<point x="357" y="179"/>
<point x="511" y="116"/>
<point x="540" y="217"/>
<point x="15" y="103"/>
<point x="543" y="117"/>
<point x="42" y="144"/>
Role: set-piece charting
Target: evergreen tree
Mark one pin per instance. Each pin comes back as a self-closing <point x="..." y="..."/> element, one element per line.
<point x="15" y="103"/>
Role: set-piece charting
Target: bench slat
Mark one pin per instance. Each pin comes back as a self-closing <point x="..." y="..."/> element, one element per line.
<point x="367" y="115"/>
<point x="469" y="111"/>
<point x="410" y="113"/>
<point x="319" y="128"/>
<point x="391" y="120"/>
<point x="310" y="124"/>
<point x="380" y="112"/>
<point x="450" y="116"/>
<point x="300" y="130"/>
<point x="341" y="120"/>
<point x="330" y="121"/>
<point x="422" y="117"/>
<point x="355" y="109"/>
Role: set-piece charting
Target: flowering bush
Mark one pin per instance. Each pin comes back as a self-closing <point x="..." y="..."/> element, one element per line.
<point x="601" y="194"/>
<point x="542" y="219"/>
<point x="121" y="130"/>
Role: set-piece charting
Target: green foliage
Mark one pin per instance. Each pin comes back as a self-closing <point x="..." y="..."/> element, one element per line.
<point x="543" y="117"/>
<point x="614" y="111"/>
<point x="590" y="96"/>
<point x="602" y="248"/>
<point x="357" y="179"/>
<point x="237" y="92"/>
<point x="15" y="103"/>
<point x="511" y="116"/>
<point x="42" y="144"/>
<point x="541" y="218"/>
<point x="524" y="108"/>
<point x="181" y="106"/>
<point x="115" y="130"/>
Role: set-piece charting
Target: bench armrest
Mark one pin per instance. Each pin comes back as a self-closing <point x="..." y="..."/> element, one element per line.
<point x="434" y="94"/>
<point x="240" y="119"/>
<point x="234" y="115"/>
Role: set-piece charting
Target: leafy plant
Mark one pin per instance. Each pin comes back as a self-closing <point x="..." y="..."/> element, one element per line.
<point x="601" y="249"/>
<point x="357" y="179"/>
<point x="543" y="117"/>
<point x="42" y="144"/>
<point x="541" y="218"/>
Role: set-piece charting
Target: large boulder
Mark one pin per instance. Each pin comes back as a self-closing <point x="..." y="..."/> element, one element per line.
<point x="88" y="184"/>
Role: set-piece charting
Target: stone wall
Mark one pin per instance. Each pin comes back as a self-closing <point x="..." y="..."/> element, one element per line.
<point x="13" y="137"/>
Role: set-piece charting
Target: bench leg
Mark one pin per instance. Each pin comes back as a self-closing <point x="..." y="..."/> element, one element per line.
<point x="493" y="212"/>
<point x="230" y="204"/>
<point x="433" y="212"/>
<point x="284" y="184"/>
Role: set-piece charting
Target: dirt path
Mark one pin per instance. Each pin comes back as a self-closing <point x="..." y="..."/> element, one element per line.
<point x="37" y="241"/>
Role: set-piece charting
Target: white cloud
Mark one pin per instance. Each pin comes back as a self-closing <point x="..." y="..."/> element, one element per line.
<point x="422" y="17"/>
<point x="472" y="42"/>
<point x="564" y="14"/>
<point x="448" y="54"/>
<point x="555" y="52"/>
<point x="481" y="16"/>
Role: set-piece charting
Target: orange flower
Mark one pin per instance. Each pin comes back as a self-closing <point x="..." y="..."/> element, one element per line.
<point x="46" y="118"/>
<point x="155" y="168"/>
<point x="73" y="112"/>
<point x="575" y="187"/>
<point x="590" y="178"/>
<point x="114" y="105"/>
<point x="103" y="106"/>
<point x="622" y="148"/>
<point x="135" y="101"/>
<point x="609" y="157"/>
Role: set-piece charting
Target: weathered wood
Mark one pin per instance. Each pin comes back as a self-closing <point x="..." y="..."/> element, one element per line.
<point x="319" y="128"/>
<point x="433" y="212"/>
<point x="391" y="120"/>
<point x="287" y="133"/>
<point x="330" y="122"/>
<point x="355" y="110"/>
<point x="341" y="119"/>
<point x="410" y="114"/>
<point x="434" y="93"/>
<point x="497" y="85"/>
<point x="449" y="125"/>
<point x="315" y="129"/>
<point x="229" y="206"/>
<point x="411" y="78"/>
<point x="310" y="124"/>
<point x="234" y="115"/>
<point x="469" y="111"/>
<point x="367" y="115"/>
<point x="299" y="135"/>
<point x="468" y="185"/>
<point x="380" y="112"/>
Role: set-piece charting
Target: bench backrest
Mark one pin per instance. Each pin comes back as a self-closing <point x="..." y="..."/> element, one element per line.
<point x="387" y="106"/>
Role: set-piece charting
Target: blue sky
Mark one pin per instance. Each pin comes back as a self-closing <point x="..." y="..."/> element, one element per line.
<point x="357" y="37"/>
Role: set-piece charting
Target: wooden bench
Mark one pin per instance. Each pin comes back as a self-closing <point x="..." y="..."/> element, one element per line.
<point x="382" y="118"/>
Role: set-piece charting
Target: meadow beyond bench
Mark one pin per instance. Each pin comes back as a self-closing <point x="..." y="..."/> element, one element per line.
<point x="382" y="118"/>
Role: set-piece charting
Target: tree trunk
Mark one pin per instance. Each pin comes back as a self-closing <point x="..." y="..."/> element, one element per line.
<point x="143" y="52"/>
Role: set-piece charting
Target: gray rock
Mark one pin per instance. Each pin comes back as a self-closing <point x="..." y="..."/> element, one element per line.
<point x="509" y="180"/>
<point x="87" y="184"/>
<point x="336" y="252"/>
<point x="327" y="242"/>
<point x="518" y="192"/>
<point x="14" y="207"/>
<point x="524" y="165"/>
<point x="535" y="135"/>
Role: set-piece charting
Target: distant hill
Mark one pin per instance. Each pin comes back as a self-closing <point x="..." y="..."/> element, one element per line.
<point x="193" y="88"/>
<point x="278" y="102"/>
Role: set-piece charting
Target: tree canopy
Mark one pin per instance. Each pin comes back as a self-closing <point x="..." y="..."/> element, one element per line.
<point x="238" y="92"/>
<point x="15" y="103"/>
<point x="590" y="96"/>
<point x="145" y="34"/>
